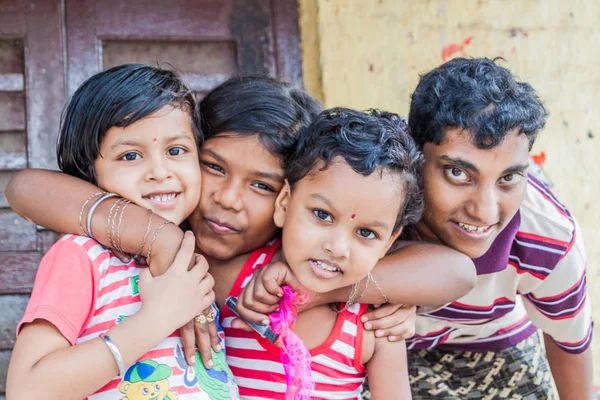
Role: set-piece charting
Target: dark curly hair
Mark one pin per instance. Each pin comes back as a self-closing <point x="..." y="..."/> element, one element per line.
<point x="368" y="141"/>
<point x="259" y="105"/>
<point x="478" y="95"/>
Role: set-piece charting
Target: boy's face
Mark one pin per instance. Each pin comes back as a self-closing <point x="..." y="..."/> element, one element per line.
<point x="241" y="180"/>
<point x="153" y="163"/>
<point x="471" y="194"/>
<point x="337" y="224"/>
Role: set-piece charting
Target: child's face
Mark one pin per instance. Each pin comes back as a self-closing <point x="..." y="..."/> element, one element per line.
<point x="337" y="224"/>
<point x="241" y="180"/>
<point x="153" y="163"/>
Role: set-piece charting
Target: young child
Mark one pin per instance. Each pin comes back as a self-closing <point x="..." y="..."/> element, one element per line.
<point x="351" y="185"/>
<point x="98" y="327"/>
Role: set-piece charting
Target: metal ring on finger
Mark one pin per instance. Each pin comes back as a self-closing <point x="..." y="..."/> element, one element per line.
<point x="205" y="318"/>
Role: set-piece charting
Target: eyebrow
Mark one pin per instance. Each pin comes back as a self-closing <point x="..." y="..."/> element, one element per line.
<point x="515" y="169"/>
<point x="260" y="174"/>
<point x="325" y="200"/>
<point x="467" y="165"/>
<point x="460" y="163"/>
<point x="134" y="143"/>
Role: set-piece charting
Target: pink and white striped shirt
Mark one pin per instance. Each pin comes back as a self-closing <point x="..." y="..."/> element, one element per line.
<point x="336" y="364"/>
<point x="84" y="290"/>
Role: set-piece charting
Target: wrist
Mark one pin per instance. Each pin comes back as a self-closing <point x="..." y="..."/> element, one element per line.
<point x="165" y="248"/>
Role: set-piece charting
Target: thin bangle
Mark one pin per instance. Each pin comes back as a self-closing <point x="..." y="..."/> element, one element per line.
<point x="83" y="232"/>
<point x="93" y="208"/>
<point x="115" y="352"/>
<point x="154" y="239"/>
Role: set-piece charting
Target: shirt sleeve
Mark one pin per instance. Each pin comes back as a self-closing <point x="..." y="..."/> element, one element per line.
<point x="64" y="289"/>
<point x="559" y="306"/>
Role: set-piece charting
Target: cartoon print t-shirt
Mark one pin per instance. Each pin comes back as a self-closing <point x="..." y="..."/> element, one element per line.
<point x="84" y="290"/>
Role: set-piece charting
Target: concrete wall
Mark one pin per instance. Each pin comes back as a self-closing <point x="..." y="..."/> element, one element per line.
<point x="369" y="53"/>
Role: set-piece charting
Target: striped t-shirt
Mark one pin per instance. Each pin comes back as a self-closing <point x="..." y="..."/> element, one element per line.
<point x="532" y="277"/>
<point x="84" y="290"/>
<point x="256" y="364"/>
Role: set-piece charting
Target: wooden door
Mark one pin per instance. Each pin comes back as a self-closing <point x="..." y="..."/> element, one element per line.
<point x="49" y="47"/>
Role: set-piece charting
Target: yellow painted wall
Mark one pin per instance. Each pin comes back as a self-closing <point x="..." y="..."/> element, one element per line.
<point x="368" y="53"/>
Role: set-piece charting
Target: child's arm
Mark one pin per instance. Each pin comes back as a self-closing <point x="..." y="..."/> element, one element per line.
<point x="54" y="200"/>
<point x="420" y="273"/>
<point x="45" y="365"/>
<point x="387" y="370"/>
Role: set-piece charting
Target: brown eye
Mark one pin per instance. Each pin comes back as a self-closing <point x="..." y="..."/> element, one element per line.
<point x="456" y="174"/>
<point x="511" y="179"/>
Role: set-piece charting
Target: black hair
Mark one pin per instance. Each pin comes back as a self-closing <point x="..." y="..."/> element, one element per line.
<point x="259" y="105"/>
<point x="479" y="96"/>
<point x="369" y="141"/>
<point x="118" y="97"/>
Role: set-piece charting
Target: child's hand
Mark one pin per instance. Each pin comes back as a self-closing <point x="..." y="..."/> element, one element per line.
<point x="182" y="292"/>
<point x="262" y="294"/>
<point x="397" y="322"/>
<point x="206" y="336"/>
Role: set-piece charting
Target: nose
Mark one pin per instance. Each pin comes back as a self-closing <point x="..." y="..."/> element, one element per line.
<point x="158" y="169"/>
<point x="337" y="245"/>
<point x="483" y="207"/>
<point x="230" y="195"/>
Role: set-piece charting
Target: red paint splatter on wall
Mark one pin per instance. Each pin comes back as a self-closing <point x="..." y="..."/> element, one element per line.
<point x="539" y="158"/>
<point x="454" y="48"/>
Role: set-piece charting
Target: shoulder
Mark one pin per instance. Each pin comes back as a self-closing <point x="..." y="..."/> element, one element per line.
<point x="543" y="215"/>
<point x="73" y="250"/>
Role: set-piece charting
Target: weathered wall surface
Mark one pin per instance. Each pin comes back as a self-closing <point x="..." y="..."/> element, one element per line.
<point x="368" y="53"/>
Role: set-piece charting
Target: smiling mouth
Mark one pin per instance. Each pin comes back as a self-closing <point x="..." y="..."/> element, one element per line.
<point x="323" y="269"/>
<point x="473" y="229"/>
<point x="162" y="200"/>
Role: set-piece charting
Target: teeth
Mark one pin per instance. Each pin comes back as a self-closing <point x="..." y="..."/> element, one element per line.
<point x="326" y="267"/>
<point x="472" y="228"/>
<point x="163" y="198"/>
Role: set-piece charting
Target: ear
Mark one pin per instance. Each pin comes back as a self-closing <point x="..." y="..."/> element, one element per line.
<point x="123" y="386"/>
<point x="392" y="240"/>
<point x="281" y="204"/>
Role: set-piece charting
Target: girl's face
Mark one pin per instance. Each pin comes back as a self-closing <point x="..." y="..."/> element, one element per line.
<point x="154" y="163"/>
<point x="337" y="224"/>
<point x="241" y="180"/>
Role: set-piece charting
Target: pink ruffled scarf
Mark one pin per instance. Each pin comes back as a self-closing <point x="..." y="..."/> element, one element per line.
<point x="295" y="357"/>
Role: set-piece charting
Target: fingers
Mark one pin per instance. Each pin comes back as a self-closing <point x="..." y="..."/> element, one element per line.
<point x="188" y="339"/>
<point x="145" y="276"/>
<point x="200" y="268"/>
<point x="123" y="257"/>
<point x="204" y="343"/>
<point x="384" y="311"/>
<point x="396" y="326"/>
<point x="269" y="291"/>
<point x="215" y="342"/>
<point x="237" y="323"/>
<point x="247" y="301"/>
<point x="183" y="258"/>
<point x="251" y="315"/>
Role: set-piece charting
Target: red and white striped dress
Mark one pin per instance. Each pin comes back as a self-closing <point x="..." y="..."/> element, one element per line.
<point x="256" y="365"/>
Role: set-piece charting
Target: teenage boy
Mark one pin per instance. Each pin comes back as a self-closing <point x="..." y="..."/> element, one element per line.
<point x="476" y="124"/>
